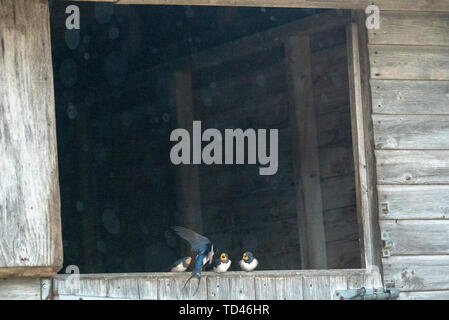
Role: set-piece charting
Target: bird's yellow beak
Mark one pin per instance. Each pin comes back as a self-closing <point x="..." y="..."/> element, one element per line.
<point x="245" y="257"/>
<point x="188" y="260"/>
<point x="223" y="257"/>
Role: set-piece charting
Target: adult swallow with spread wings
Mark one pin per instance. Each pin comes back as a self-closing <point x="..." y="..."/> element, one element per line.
<point x="201" y="247"/>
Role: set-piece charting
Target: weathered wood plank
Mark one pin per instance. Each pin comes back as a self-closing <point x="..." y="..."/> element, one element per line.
<point x="123" y="288"/>
<point x="408" y="5"/>
<point x="310" y="219"/>
<point x="218" y="288"/>
<point x="413" y="28"/>
<point x="316" y="288"/>
<point x="86" y="286"/>
<point x="362" y="137"/>
<point x="172" y="288"/>
<point x="410" y="97"/>
<point x="417" y="237"/>
<point x="424" y="295"/>
<point x="409" y="62"/>
<point x="242" y="287"/>
<point x="148" y="289"/>
<point x="412" y="167"/>
<point x="417" y="273"/>
<point x="20" y="289"/>
<point x="29" y="188"/>
<point x="265" y="288"/>
<point x="411" y="131"/>
<point x="289" y="288"/>
<point x="337" y="283"/>
<point x="285" y="285"/>
<point x="413" y="202"/>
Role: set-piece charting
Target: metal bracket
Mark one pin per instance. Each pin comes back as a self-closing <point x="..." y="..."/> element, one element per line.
<point x="367" y="294"/>
<point x="387" y="244"/>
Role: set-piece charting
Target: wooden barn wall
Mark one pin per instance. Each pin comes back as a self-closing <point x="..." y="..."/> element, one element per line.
<point x="409" y="59"/>
<point x="239" y="206"/>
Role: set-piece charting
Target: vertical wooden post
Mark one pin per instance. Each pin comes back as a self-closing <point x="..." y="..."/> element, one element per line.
<point x="363" y="140"/>
<point x="306" y="158"/>
<point x="188" y="183"/>
<point x="30" y="226"/>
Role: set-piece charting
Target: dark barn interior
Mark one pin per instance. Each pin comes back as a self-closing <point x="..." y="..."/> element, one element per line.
<point x="120" y="91"/>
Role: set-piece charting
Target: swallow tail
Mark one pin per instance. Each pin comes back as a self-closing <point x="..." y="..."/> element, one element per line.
<point x="196" y="273"/>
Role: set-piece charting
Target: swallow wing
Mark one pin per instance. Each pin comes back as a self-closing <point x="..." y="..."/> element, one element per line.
<point x="198" y="242"/>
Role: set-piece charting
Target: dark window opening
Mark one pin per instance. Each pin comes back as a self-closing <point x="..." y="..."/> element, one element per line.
<point x="117" y="103"/>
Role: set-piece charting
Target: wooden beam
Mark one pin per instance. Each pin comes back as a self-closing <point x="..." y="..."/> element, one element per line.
<point x="363" y="141"/>
<point x="306" y="155"/>
<point x="30" y="228"/>
<point x="188" y="183"/>
<point x="20" y="289"/>
<point x="407" y="5"/>
<point x="282" y="285"/>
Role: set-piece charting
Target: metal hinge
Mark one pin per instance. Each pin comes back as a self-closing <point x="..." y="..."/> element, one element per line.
<point x="387" y="244"/>
<point x="367" y="294"/>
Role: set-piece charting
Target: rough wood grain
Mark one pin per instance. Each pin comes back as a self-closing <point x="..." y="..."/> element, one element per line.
<point x="172" y="288"/>
<point x="218" y="288"/>
<point x="363" y="140"/>
<point x="420" y="28"/>
<point x="20" y="289"/>
<point x="408" y="5"/>
<point x="412" y="167"/>
<point x="411" y="131"/>
<point x="283" y="285"/>
<point x="409" y="62"/>
<point x="306" y="156"/>
<point x="316" y="288"/>
<point x="148" y="289"/>
<point x="242" y="287"/>
<point x="410" y="97"/>
<point x="417" y="273"/>
<point x="413" y="202"/>
<point x="429" y="236"/>
<point x="289" y="288"/>
<point x="29" y="189"/>
<point x="424" y="295"/>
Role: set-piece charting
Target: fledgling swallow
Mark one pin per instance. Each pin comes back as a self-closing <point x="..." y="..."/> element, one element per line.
<point x="181" y="265"/>
<point x="248" y="262"/>
<point x="202" y="248"/>
<point x="222" y="264"/>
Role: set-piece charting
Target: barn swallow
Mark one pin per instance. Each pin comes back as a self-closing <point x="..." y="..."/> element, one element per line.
<point x="222" y="264"/>
<point x="248" y="262"/>
<point x="201" y="247"/>
<point x="181" y="265"/>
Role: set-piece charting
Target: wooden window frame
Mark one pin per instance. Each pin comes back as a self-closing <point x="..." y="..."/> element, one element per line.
<point x="360" y="101"/>
<point x="359" y="68"/>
